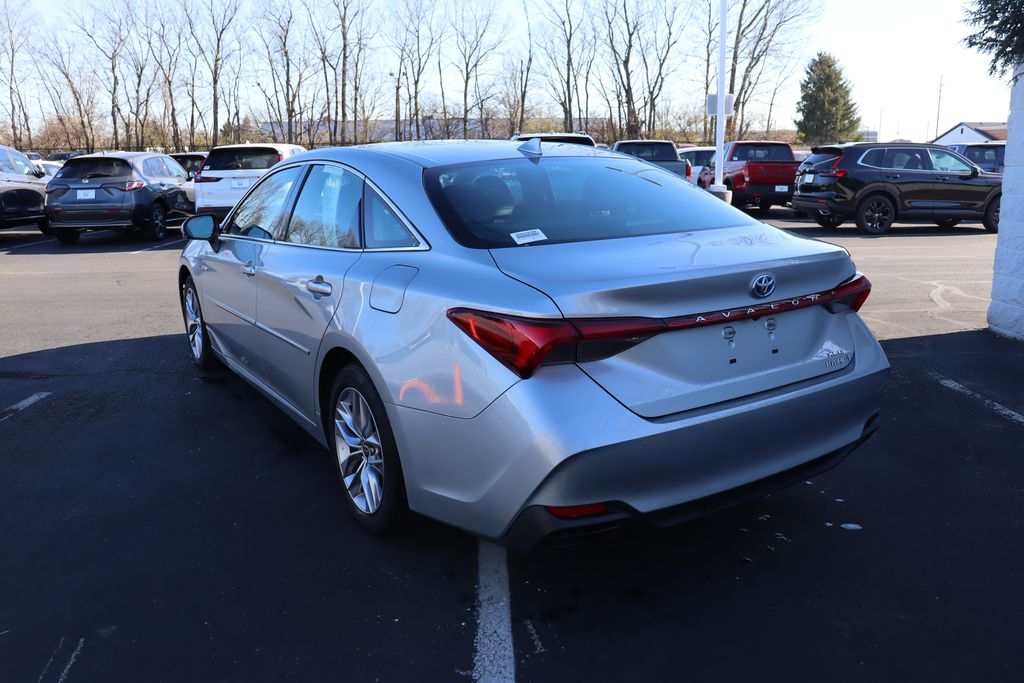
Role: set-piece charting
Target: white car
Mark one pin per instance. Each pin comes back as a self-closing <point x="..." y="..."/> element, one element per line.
<point x="230" y="170"/>
<point x="699" y="157"/>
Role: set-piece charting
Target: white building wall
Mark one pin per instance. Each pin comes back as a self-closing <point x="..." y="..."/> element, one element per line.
<point x="961" y="134"/>
<point x="1006" y="314"/>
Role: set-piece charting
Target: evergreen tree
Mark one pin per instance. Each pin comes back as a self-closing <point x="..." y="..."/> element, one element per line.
<point x="826" y="112"/>
<point x="1000" y="25"/>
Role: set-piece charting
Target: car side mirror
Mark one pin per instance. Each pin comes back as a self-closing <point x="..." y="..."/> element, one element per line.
<point x="191" y="174"/>
<point x="38" y="173"/>
<point x="975" y="171"/>
<point x="201" y="227"/>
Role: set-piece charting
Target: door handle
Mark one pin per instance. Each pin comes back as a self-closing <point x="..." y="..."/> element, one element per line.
<point x="248" y="269"/>
<point x="318" y="286"/>
<point x="894" y="176"/>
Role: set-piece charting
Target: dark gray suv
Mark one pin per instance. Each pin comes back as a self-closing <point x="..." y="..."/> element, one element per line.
<point x="121" y="190"/>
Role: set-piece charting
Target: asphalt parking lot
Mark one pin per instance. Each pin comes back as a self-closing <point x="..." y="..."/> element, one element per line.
<point x="157" y="526"/>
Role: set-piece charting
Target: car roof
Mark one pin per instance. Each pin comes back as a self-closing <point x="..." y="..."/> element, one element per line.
<point x="656" y="142"/>
<point x="188" y="154"/>
<point x="272" y="145"/>
<point x="431" y="153"/>
<point x="123" y="156"/>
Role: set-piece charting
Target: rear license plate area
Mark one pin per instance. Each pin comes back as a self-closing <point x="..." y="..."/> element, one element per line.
<point x="85" y="194"/>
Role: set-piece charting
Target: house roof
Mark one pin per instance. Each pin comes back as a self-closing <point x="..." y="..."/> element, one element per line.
<point x="993" y="130"/>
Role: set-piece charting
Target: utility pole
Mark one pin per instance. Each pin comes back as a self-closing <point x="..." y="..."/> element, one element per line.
<point x="718" y="189"/>
<point x="938" y="110"/>
<point x="398" y="110"/>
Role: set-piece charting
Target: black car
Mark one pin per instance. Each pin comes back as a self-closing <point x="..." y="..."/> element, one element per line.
<point x="63" y="156"/>
<point x="122" y="190"/>
<point x="878" y="184"/>
<point x="190" y="161"/>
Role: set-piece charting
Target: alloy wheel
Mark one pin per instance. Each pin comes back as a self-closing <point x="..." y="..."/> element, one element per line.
<point x="360" y="454"/>
<point x="158" y="222"/>
<point x="878" y="214"/>
<point x="194" y="323"/>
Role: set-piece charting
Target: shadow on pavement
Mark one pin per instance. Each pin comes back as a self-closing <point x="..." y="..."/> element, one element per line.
<point x="99" y="241"/>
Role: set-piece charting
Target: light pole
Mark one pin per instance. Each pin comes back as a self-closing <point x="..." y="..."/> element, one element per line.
<point x="718" y="189"/>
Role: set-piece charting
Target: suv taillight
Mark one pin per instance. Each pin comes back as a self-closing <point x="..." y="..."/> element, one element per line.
<point x="198" y="177"/>
<point x="126" y="186"/>
<point x="834" y="171"/>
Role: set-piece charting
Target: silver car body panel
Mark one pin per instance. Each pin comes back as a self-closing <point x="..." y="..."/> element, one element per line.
<point x="477" y="443"/>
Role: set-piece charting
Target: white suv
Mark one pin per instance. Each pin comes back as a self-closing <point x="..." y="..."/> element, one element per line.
<point x="230" y="170"/>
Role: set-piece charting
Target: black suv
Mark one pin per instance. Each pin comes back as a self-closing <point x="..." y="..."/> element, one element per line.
<point x="878" y="184"/>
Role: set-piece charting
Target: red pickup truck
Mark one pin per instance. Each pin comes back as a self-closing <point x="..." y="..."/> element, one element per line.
<point x="758" y="172"/>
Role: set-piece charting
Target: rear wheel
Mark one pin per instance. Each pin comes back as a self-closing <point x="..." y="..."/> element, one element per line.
<point x="876" y="214"/>
<point x="947" y="222"/>
<point x="764" y="206"/>
<point x="365" y="453"/>
<point x="991" y="221"/>
<point x="829" y="222"/>
<point x="68" y="236"/>
<point x="156" y="227"/>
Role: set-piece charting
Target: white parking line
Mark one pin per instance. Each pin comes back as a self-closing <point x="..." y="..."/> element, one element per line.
<point x="32" y="244"/>
<point x="157" y="246"/>
<point x="494" y="659"/>
<point x="74" y="656"/>
<point x="21" y="405"/>
<point x="998" y="408"/>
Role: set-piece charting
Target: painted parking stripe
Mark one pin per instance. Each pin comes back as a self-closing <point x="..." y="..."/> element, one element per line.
<point x="493" y="656"/>
<point x="998" y="408"/>
<point x="157" y="246"/>
<point x="21" y="405"/>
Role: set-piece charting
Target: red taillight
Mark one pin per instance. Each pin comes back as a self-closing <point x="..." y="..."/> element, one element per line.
<point x="834" y="170"/>
<point x="574" y="511"/>
<point x="521" y="344"/>
<point x="853" y="293"/>
<point x="689" y="171"/>
<point x="55" y="188"/>
<point x="280" y="157"/>
<point x="198" y="177"/>
<point x="126" y="186"/>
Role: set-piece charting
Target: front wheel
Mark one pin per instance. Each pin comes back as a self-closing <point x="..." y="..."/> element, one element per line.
<point x="365" y="453"/>
<point x="991" y="221"/>
<point x="156" y="227"/>
<point x="195" y="327"/>
<point x="947" y="223"/>
<point x="876" y="214"/>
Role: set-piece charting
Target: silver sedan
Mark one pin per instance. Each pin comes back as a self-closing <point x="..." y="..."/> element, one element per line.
<point x="532" y="340"/>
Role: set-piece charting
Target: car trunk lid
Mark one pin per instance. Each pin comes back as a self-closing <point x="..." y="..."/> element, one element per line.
<point x="87" y="186"/>
<point x="702" y="274"/>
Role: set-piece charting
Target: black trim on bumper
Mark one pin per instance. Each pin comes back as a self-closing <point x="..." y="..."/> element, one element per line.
<point x="754" y="193"/>
<point x="535" y="526"/>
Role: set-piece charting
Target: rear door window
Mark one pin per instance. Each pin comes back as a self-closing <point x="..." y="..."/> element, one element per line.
<point x="875" y="157"/>
<point x="153" y="168"/>
<point x="95" y="167"/>
<point x="384" y="229"/>
<point x="327" y="211"/>
<point x="906" y="159"/>
<point x="241" y="159"/>
<point x="173" y="168"/>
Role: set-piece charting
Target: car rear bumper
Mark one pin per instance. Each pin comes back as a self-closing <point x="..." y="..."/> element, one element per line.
<point x="754" y="193"/>
<point x="821" y="205"/>
<point x="218" y="212"/>
<point x="558" y="439"/>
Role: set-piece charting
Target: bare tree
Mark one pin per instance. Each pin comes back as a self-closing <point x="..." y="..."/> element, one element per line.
<point x="287" y="69"/>
<point x="168" y="40"/>
<point x="208" y="24"/>
<point x="414" y="39"/>
<point x="103" y="25"/>
<point x="65" y="78"/>
<point x="558" y="44"/>
<point x="474" y="43"/>
<point x="16" y="22"/>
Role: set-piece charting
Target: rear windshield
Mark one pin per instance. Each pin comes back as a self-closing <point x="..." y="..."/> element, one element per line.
<point x="821" y="157"/>
<point x="189" y="162"/>
<point x="571" y="139"/>
<point x="986" y="155"/>
<point x="765" y="152"/>
<point x="649" y="151"/>
<point x="698" y="157"/>
<point x="241" y="159"/>
<point x="95" y="167"/>
<point x="568" y="199"/>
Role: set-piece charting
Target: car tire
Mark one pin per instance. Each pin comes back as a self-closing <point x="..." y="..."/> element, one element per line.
<point x="44" y="226"/>
<point x="196" y="333"/>
<point x="875" y="214"/>
<point x="991" y="220"/>
<point x="764" y="207"/>
<point x="365" y="454"/>
<point x="829" y="222"/>
<point x="946" y="223"/>
<point x="156" y="226"/>
<point x="68" y="237"/>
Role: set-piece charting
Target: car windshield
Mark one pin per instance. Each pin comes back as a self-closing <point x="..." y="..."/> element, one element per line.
<point x="650" y="151"/>
<point x="568" y="199"/>
<point x="95" y="167"/>
<point x="241" y="159"/>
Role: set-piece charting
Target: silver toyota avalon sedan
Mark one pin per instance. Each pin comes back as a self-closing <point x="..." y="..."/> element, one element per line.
<point x="531" y="340"/>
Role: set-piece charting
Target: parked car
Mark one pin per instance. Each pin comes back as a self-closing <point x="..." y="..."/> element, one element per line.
<point x="491" y="337"/>
<point x="63" y="156"/>
<point x="22" y="191"/>
<point x="191" y="162"/>
<point x="699" y="157"/>
<point x="230" y="170"/>
<point x="877" y="184"/>
<point x="33" y="156"/>
<point x="989" y="156"/>
<point x="758" y="172"/>
<point x="658" y="152"/>
<point x="571" y="138"/>
<point x="49" y="168"/>
<point x="122" y="190"/>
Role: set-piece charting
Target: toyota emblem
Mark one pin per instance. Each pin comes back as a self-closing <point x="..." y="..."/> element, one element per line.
<point x="763" y="285"/>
